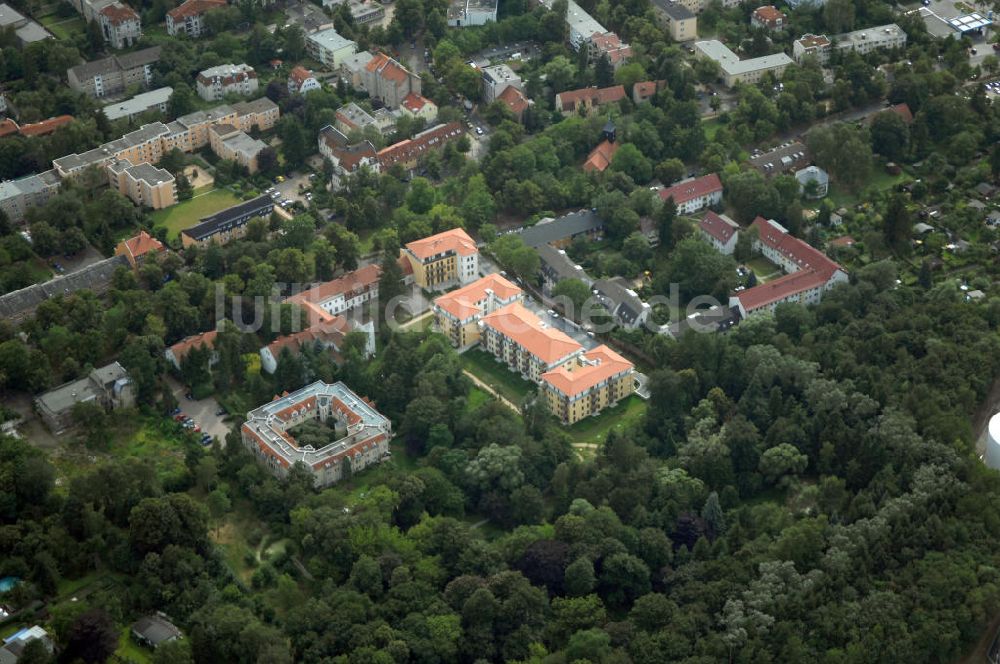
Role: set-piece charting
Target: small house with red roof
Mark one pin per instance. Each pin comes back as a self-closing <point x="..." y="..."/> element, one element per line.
<point x="694" y="194"/>
<point x="175" y="354"/>
<point x="417" y="106"/>
<point x="301" y="81"/>
<point x="138" y="248"/>
<point x="720" y="231"/>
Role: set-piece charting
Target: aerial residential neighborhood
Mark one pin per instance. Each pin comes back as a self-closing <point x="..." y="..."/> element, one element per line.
<point x="469" y="331"/>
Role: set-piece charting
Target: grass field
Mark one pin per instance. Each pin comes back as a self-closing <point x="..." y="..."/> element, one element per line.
<point x="711" y="127"/>
<point x="477" y="398"/>
<point x="485" y="368"/>
<point x="594" y="430"/>
<point x="64" y="28"/>
<point x="130" y="651"/>
<point x="879" y="180"/>
<point x="763" y="268"/>
<point x="186" y="214"/>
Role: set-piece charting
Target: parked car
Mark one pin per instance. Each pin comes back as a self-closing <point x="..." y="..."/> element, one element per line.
<point x="220" y="412"/>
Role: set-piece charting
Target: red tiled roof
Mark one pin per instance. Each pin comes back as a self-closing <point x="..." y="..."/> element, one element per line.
<point x="692" y="189"/>
<point x="329" y="331"/>
<point x="190" y="8"/>
<point x="409" y="149"/>
<point x="456" y="240"/>
<point x="842" y="241"/>
<point x="600" y="157"/>
<point x="351" y="284"/>
<point x="184" y="346"/>
<point x="140" y="245"/>
<point x="768" y="14"/>
<point x="118" y="13"/>
<point x="300" y="75"/>
<point x="8" y="127"/>
<point x="462" y="303"/>
<point x="597" y="96"/>
<point x="903" y="111"/>
<point x="780" y="288"/>
<point x="596" y="366"/>
<point x="514" y="99"/>
<point x="46" y="126"/>
<point x="719" y="227"/>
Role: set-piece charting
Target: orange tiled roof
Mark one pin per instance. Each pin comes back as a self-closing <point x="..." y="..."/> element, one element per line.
<point x="455" y="240"/>
<point x="722" y="229"/>
<point x="597" y="96"/>
<point x="517" y="323"/>
<point x="352" y="283"/>
<point x="300" y="75"/>
<point x="768" y="13"/>
<point x="46" y="126"/>
<point x="596" y="366"/>
<point x="600" y="157"/>
<point x="462" y="303"/>
<point x="190" y="8"/>
<point x="412" y="148"/>
<point x="141" y="244"/>
<point x="8" y="127"/>
<point x="331" y="331"/>
<point x="387" y="68"/>
<point x="514" y="99"/>
<point x="683" y="192"/>
<point x="184" y="346"/>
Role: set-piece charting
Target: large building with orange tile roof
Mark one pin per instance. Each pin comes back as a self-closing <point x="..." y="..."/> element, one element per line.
<point x="587" y="384"/>
<point x="518" y="338"/>
<point x="325" y="334"/>
<point x="188" y="17"/>
<point x="585" y="99"/>
<point x="389" y="81"/>
<point x="360" y="434"/>
<point x="341" y="295"/>
<point x="443" y="260"/>
<point x="458" y="313"/>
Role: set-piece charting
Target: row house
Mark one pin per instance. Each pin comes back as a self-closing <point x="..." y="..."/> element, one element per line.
<point x="694" y="194"/>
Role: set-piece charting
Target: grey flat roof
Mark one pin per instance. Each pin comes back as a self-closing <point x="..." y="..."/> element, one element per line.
<point x="9" y="16"/>
<point x="12" y="305"/>
<point x="254" y="106"/>
<point x="674" y="10"/>
<point x="156" y="629"/>
<point x="32" y="32"/>
<point x="569" y="225"/>
<point x="210" y="115"/>
<point x="138" y="104"/>
<point x="245" y="144"/>
<point x="731" y="63"/>
<point x="150" y="173"/>
<point x="330" y="39"/>
<point x="29" y="184"/>
<point x="117" y="62"/>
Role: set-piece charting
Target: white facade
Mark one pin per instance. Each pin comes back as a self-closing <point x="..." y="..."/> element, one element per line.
<point x="329" y="47"/>
<point x="139" y="104"/>
<point x="735" y="70"/>
<point x="215" y="83"/>
<point x="496" y="79"/>
<point x="992" y="456"/>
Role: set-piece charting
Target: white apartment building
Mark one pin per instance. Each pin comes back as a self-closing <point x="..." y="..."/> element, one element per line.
<point x="216" y="82"/>
<point x="329" y="47"/>
<point x="735" y="70"/>
<point x="498" y="78"/>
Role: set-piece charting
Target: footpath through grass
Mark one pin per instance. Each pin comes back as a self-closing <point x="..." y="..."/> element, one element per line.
<point x="186" y="214"/>
<point x="507" y="383"/>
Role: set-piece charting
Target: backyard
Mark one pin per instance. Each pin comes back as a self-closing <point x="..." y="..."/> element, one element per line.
<point x="880" y="180"/>
<point x="186" y="214"/>
<point x="593" y="430"/>
<point x="763" y="269"/>
<point x="63" y="27"/>
<point x="485" y="367"/>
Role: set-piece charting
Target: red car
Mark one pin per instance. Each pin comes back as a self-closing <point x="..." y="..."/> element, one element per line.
<point x="179" y="417"/>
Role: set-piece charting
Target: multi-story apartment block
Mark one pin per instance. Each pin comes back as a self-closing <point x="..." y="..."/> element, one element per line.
<point x="587" y="384"/>
<point x="720" y="231"/>
<point x="362" y="433"/>
<point x="464" y="13"/>
<point x="215" y="83"/>
<point x="112" y="75"/>
<point x="768" y="17"/>
<point x="154" y="100"/>
<point x="458" y="313"/>
<point x="120" y="25"/>
<point x="142" y="146"/>
<point x="16" y="196"/>
<point x="443" y="260"/>
<point x="387" y="80"/>
<point x="145" y="184"/>
<point x="109" y="387"/>
<point x="229" y="224"/>
<point x="496" y="79"/>
<point x="694" y="194"/>
<point x="329" y="47"/>
<point x="859" y="41"/>
<point x="586" y="99"/>
<point x="610" y="45"/>
<point x="261" y="114"/>
<point x="345" y="157"/>
<point x="681" y="22"/>
<point x="736" y="71"/>
<point x="561" y="232"/>
<point x="810" y="273"/>
<point x="188" y="17"/>
<point x="346" y="294"/>
<point x="518" y="338"/>
<point x="228" y="142"/>
<point x="407" y="153"/>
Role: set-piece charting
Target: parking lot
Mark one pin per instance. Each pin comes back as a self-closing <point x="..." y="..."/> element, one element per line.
<point x="202" y="411"/>
<point x="289" y="189"/>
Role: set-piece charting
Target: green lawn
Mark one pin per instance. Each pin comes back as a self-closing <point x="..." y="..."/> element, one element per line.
<point x="186" y="214"/>
<point x="510" y="385"/>
<point x="880" y="180"/>
<point x="762" y="268"/>
<point x="594" y="430"/>
<point x="476" y="398"/>
<point x="711" y="128"/>
<point x="130" y="651"/>
<point x="64" y="28"/>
